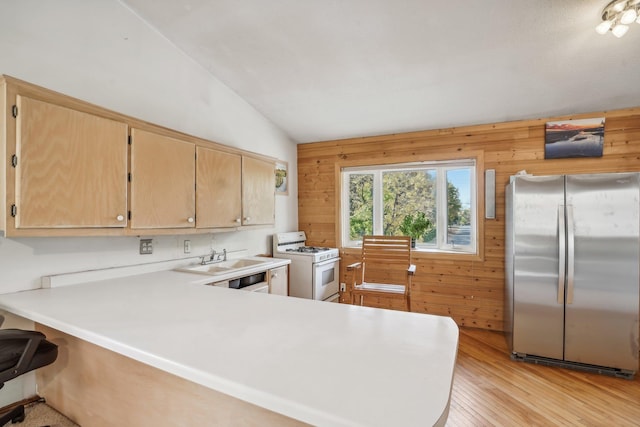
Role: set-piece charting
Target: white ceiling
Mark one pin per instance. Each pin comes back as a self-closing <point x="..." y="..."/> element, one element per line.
<point x="330" y="69"/>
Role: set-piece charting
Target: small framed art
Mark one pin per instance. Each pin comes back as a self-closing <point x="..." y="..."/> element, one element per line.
<point x="282" y="178"/>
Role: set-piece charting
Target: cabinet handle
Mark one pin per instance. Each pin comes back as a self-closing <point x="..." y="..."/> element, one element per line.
<point x="190" y="219"/>
<point x="120" y="218"/>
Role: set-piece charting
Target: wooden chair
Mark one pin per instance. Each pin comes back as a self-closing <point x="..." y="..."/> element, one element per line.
<point x="385" y="269"/>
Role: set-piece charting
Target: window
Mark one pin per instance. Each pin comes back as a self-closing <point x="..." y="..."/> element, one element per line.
<point x="376" y="199"/>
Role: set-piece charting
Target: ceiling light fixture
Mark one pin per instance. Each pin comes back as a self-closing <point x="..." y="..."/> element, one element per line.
<point x="617" y="15"/>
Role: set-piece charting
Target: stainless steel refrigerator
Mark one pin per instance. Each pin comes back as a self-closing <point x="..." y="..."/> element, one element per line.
<point x="572" y="256"/>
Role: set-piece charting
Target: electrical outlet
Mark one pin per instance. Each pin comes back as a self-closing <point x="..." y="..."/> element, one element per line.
<point x="187" y="246"/>
<point x="343" y="287"/>
<point x="146" y="246"/>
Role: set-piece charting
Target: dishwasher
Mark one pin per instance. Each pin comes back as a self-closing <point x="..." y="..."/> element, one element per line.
<point x="251" y="283"/>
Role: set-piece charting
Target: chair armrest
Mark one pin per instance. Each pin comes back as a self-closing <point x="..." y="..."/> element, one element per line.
<point x="33" y="341"/>
<point x="411" y="270"/>
<point x="12" y="334"/>
<point x="354" y="266"/>
<point x="356" y="274"/>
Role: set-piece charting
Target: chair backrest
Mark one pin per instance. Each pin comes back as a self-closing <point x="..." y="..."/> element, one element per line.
<point x="385" y="259"/>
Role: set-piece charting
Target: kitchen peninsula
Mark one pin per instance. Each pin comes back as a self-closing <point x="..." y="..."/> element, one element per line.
<point x="221" y="356"/>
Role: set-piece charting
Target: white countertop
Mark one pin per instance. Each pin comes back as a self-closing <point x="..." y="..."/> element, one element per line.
<point x="322" y="363"/>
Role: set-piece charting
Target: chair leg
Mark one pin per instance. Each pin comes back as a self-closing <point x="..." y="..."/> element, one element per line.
<point x="353" y="299"/>
<point x="16" y="415"/>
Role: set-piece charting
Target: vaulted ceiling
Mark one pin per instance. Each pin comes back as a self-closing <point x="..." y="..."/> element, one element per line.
<point x="331" y="69"/>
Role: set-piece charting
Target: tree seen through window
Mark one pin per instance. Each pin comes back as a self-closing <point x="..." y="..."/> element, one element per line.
<point x="407" y="191"/>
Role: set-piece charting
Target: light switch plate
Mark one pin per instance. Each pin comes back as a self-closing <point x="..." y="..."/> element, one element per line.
<point x="187" y="246"/>
<point x="146" y="246"/>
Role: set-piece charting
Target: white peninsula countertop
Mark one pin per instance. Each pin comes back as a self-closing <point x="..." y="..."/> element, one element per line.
<point x="321" y="363"/>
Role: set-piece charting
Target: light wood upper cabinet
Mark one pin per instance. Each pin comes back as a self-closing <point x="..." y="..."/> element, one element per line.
<point x="258" y="191"/>
<point x="70" y="168"/>
<point x="162" y="182"/>
<point x="218" y="189"/>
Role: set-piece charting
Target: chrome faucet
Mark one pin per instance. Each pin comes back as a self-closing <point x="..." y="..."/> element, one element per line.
<point x="211" y="258"/>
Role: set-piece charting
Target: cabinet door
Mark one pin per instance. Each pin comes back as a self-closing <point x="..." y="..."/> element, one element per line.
<point x="162" y="181"/>
<point x="71" y="169"/>
<point x="279" y="281"/>
<point x="218" y="190"/>
<point x="258" y="191"/>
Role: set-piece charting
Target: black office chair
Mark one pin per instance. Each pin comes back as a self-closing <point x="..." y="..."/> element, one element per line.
<point x="20" y="352"/>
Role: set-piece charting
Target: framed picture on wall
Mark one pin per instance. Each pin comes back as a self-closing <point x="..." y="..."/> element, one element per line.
<point x="282" y="180"/>
<point x="574" y="138"/>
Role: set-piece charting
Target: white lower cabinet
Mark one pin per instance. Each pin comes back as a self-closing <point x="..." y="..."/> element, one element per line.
<point x="279" y="281"/>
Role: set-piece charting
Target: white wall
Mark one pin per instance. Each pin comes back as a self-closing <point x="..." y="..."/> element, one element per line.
<point x="100" y="52"/>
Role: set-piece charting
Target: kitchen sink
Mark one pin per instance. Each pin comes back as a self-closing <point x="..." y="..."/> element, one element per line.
<point x="223" y="266"/>
<point x="239" y="263"/>
<point x="206" y="269"/>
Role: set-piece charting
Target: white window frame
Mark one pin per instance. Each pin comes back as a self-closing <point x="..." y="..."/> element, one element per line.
<point x="441" y="168"/>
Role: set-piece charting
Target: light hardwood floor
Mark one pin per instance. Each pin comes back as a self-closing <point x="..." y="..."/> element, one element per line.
<point x="491" y="390"/>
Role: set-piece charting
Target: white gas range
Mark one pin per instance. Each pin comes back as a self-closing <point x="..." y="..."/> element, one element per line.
<point x="314" y="271"/>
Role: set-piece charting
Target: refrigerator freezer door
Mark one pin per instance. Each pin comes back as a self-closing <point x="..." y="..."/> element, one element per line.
<point x="602" y="317"/>
<point x="538" y="317"/>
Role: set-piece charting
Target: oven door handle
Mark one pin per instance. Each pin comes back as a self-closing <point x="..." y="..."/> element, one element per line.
<point x="326" y="261"/>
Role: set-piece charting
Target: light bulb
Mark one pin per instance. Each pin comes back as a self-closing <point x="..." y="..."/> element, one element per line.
<point x="604" y="27"/>
<point x="628" y="16"/>
<point x="620" y="30"/>
<point x="619" y="7"/>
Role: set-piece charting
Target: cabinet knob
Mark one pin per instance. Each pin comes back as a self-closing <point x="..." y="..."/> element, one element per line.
<point x="120" y="218"/>
<point x="274" y="275"/>
<point x="247" y="218"/>
<point x="238" y="220"/>
<point x="190" y="219"/>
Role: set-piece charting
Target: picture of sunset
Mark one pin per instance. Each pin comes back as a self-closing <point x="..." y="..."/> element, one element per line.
<point x="574" y="138"/>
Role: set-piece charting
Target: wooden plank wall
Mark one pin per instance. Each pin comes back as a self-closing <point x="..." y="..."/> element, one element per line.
<point x="469" y="289"/>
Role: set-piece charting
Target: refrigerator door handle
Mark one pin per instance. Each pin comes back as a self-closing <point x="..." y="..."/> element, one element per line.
<point x="570" y="254"/>
<point x="561" y="254"/>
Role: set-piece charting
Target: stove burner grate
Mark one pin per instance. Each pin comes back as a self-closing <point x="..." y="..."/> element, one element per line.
<point x="308" y="249"/>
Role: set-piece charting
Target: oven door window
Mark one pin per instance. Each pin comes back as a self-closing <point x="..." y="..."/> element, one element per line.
<point x="328" y="276"/>
<point x="325" y="282"/>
